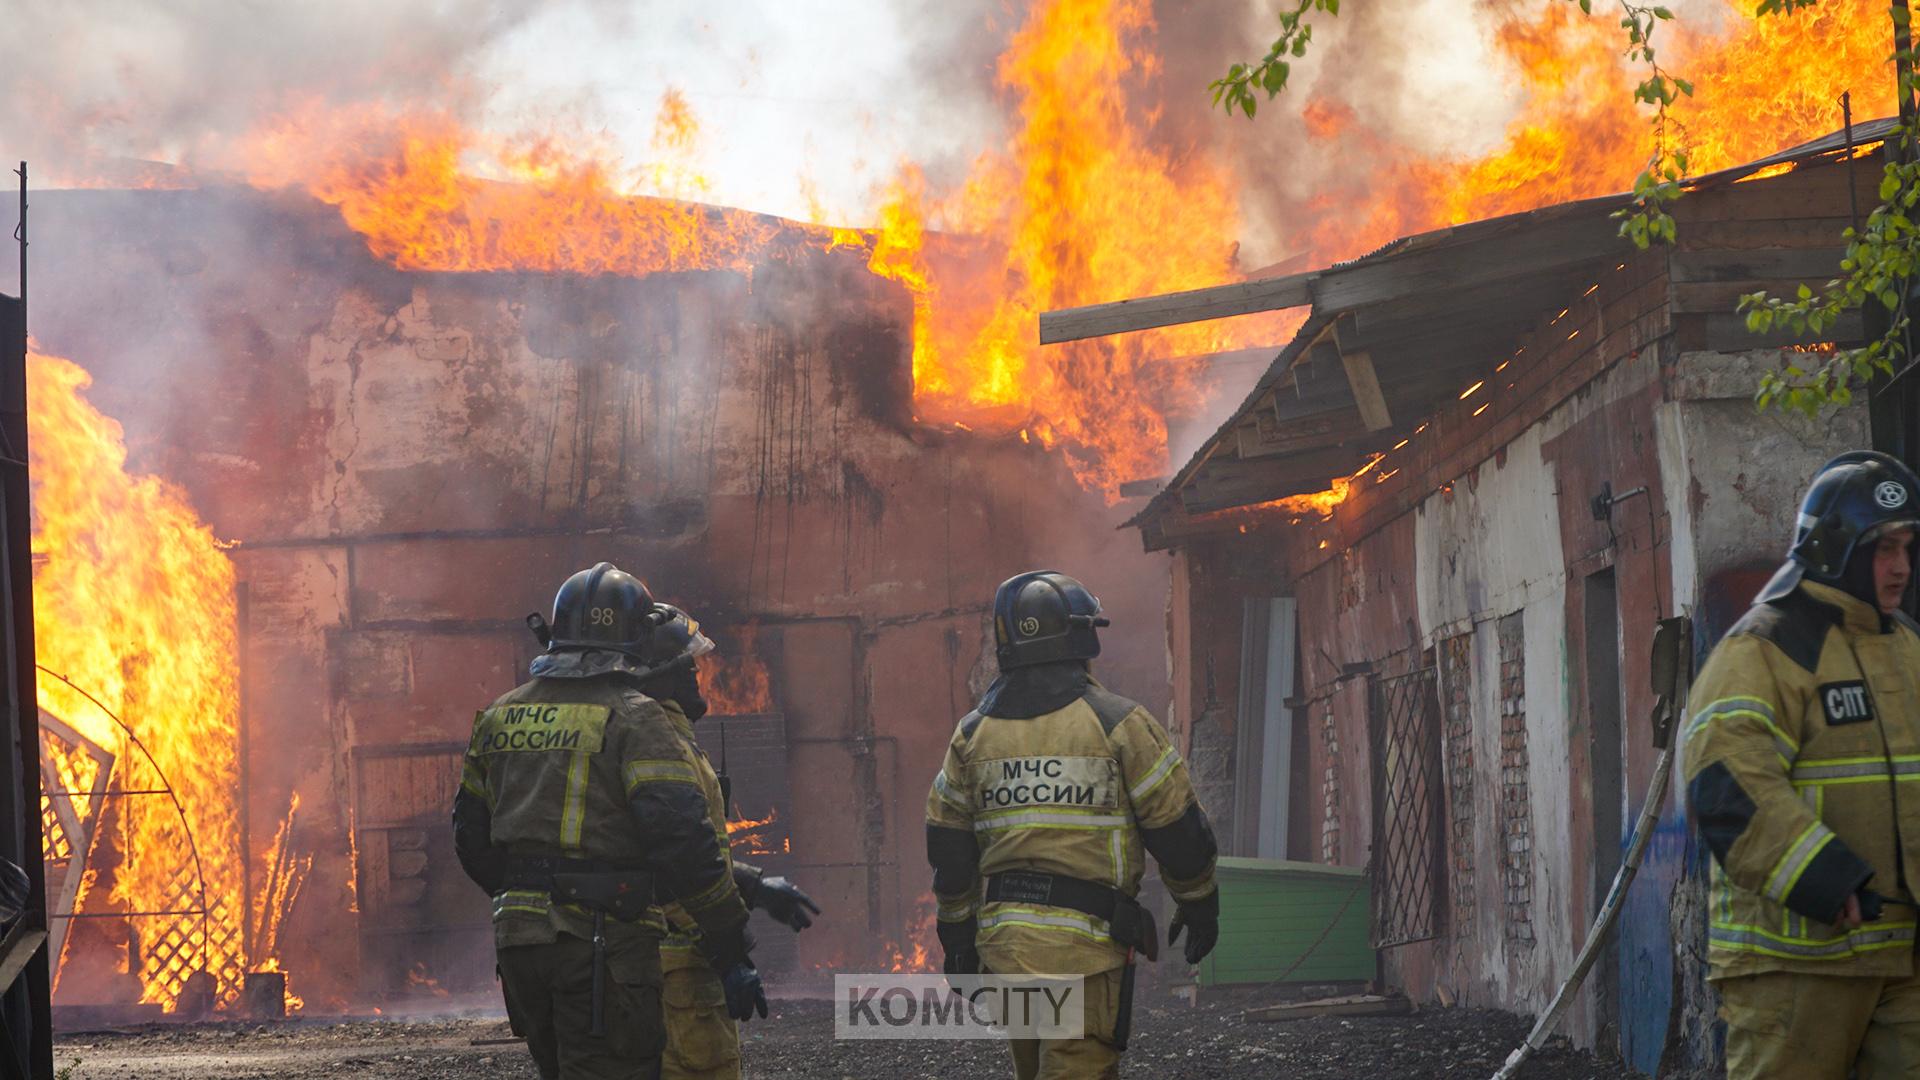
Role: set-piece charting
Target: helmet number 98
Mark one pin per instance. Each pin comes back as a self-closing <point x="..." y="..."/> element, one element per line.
<point x="600" y="616"/>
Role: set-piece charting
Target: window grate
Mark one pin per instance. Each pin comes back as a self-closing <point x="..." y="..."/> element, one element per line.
<point x="1407" y="823"/>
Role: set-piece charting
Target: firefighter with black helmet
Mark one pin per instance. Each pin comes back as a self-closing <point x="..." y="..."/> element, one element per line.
<point x="578" y="803"/>
<point x="1053" y="791"/>
<point x="703" y="1042"/>
<point x="1801" y="752"/>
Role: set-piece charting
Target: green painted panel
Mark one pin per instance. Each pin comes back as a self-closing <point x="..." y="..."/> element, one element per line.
<point x="1273" y="911"/>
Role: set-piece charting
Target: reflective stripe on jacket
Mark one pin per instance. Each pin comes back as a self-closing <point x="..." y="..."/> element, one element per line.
<point x="1801" y="752"/>
<point x="1080" y="790"/>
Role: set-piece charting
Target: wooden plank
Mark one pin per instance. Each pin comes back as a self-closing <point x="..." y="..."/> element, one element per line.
<point x="1482" y="311"/>
<point x="1811" y="191"/>
<point x="1790" y="263"/>
<point x="1725" y="331"/>
<point x="370" y="870"/>
<point x="1363" y="1005"/>
<point x="1366" y="390"/>
<point x="1173" y="309"/>
<point x="1264" y="434"/>
<point x="1221" y="485"/>
<point x="1723" y="297"/>
<point x="1515" y="254"/>
<point x="1738" y="235"/>
<point x="19" y="947"/>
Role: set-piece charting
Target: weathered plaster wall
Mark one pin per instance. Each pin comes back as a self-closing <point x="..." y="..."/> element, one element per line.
<point x="1733" y="478"/>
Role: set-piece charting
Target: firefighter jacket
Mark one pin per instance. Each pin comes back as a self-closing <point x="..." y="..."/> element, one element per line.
<point x="1802" y="752"/>
<point x="590" y="770"/>
<point x="1053" y="773"/>
<point x="681" y="949"/>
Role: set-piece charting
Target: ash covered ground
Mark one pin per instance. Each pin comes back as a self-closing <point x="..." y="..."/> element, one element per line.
<point x="1176" y="1042"/>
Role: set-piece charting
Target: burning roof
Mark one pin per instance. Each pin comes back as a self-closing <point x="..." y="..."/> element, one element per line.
<point x="1405" y="328"/>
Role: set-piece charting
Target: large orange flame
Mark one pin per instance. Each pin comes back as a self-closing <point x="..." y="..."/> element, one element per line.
<point x="1080" y="204"/>
<point x="134" y="602"/>
<point x="134" y="608"/>
<point x="429" y="193"/>
<point x="1080" y="209"/>
<point x="735" y="681"/>
<point x="1763" y="83"/>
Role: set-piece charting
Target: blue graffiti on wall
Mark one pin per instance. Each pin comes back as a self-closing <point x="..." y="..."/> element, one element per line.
<point x="1645" y="936"/>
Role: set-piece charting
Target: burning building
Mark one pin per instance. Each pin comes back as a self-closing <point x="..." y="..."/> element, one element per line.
<point x="1417" y="576"/>
<point x="374" y="473"/>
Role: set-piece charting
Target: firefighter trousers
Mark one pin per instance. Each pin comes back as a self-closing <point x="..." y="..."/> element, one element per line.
<point x="1783" y="1026"/>
<point x="703" y="1042"/>
<point x="1091" y="1058"/>
<point x="549" y="992"/>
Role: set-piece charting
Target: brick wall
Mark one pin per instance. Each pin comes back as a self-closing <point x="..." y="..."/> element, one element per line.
<point x="1456" y="718"/>
<point x="1516" y="804"/>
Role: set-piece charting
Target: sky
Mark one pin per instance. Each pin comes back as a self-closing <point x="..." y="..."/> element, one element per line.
<point x="827" y="96"/>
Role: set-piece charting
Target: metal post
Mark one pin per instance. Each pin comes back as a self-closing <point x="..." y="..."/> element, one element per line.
<point x="1903" y="64"/>
<point x="248" y="942"/>
<point x="26" y="1005"/>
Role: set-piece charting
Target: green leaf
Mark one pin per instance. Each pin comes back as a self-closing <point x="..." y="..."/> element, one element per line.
<point x="1247" y="105"/>
<point x="1662" y="13"/>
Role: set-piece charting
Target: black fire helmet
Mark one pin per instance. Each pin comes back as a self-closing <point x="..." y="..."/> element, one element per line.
<point x="1853" y="501"/>
<point x="604" y="620"/>
<point x="1042" y="616"/>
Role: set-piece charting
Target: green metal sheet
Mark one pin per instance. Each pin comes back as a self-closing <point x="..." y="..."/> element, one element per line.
<point x="1273" y="911"/>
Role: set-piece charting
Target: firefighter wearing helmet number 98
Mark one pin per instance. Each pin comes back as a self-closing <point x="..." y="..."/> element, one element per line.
<point x="1802" y="752"/>
<point x="1053" y="792"/>
<point x="580" y="805"/>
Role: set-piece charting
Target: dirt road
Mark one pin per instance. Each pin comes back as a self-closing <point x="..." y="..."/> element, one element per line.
<point x="1214" y="1040"/>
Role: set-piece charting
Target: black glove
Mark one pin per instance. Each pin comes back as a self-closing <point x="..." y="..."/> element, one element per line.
<point x="745" y="995"/>
<point x="783" y="900"/>
<point x="956" y="941"/>
<point x="1201" y="919"/>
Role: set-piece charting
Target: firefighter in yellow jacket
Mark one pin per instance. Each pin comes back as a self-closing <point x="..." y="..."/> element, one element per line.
<point x="578" y="804"/>
<point x="702" y="1040"/>
<point x="1052" y="793"/>
<point x="1803" y="771"/>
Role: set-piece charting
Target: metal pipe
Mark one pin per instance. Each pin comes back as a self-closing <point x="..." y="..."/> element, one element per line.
<point x="20" y="234"/>
<point x="1903" y="67"/>
<point x="1853" y="189"/>
<point x="242" y="610"/>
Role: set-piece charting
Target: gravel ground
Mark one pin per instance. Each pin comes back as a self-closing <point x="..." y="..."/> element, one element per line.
<point x="1214" y="1040"/>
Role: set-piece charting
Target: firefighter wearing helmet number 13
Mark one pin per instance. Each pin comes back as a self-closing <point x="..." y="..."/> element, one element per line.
<point x="1802" y="759"/>
<point x="1052" y="793"/>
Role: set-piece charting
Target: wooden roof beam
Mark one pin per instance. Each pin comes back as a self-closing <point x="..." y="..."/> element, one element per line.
<point x="1366" y="391"/>
<point x="1172" y="309"/>
<point x="1220" y="485"/>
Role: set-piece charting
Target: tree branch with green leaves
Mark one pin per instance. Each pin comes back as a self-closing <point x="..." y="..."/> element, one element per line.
<point x="1236" y="89"/>
<point x="1660" y="183"/>
<point x="1882" y="261"/>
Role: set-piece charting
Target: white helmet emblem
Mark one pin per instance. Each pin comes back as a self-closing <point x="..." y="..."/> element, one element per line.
<point x="1891" y="495"/>
<point x="1029" y="626"/>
